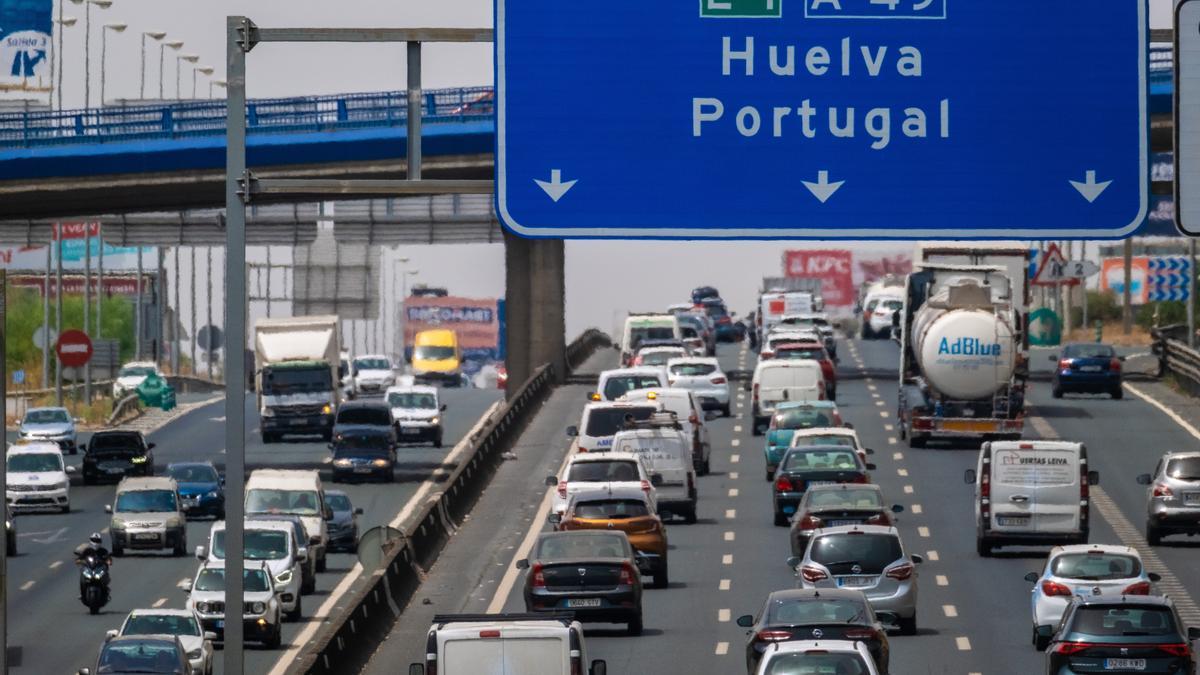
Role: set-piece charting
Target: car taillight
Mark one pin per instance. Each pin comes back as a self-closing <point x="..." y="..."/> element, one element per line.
<point x="562" y="489"/>
<point x="813" y="574"/>
<point x="1053" y="588"/>
<point x="1068" y="648"/>
<point x="783" y="484"/>
<point x="773" y="635"/>
<point x="766" y="355"/>
<point x="646" y="486"/>
<point x="1115" y="365"/>
<point x="821" y="394"/>
<point x="1064" y="364"/>
<point x="880" y="519"/>
<point x="756" y="392"/>
<point x="576" y="663"/>
<point x="861" y="478"/>
<point x="693" y="419"/>
<point x="1179" y="649"/>
<point x="627" y="573"/>
<point x="430" y="666"/>
<point x="985" y="485"/>
<point x="810" y="523"/>
<point x="861" y="634"/>
<point x="901" y="572"/>
<point x="719" y="380"/>
<point x="691" y="482"/>
<point x="1162" y="490"/>
<point x="539" y="578"/>
<point x="1140" y="588"/>
<point x="489" y="634"/>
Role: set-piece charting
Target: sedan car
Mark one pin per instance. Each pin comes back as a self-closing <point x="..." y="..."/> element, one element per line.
<point x="625" y="510"/>
<point x="113" y="455"/>
<point x="149" y="654"/>
<point x="867" y="558"/>
<point x="809" y="466"/>
<point x="791" y="417"/>
<point x="1084" y="570"/>
<point x="1106" y="634"/>
<point x="590" y="574"/>
<point x="343" y="529"/>
<point x="830" y="614"/>
<point x="1172" y="496"/>
<point x="1087" y="368"/>
<point x="181" y="623"/>
<point x="838" y="505"/>
<point x="53" y="425"/>
<point x="364" y="454"/>
<point x="201" y="488"/>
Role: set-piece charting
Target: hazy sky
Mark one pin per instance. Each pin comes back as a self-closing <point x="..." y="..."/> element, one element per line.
<point x="602" y="277"/>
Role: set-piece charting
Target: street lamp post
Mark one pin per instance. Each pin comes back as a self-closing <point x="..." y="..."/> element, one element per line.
<point x="219" y="83"/>
<point x="155" y="35"/>
<point x="175" y="45"/>
<point x="64" y="22"/>
<point x="87" y="47"/>
<point x="116" y="28"/>
<point x="190" y="58"/>
<point x="205" y="70"/>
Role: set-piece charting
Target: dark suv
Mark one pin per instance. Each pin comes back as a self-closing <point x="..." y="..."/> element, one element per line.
<point x="369" y="416"/>
<point x="112" y="455"/>
<point x="1133" y="633"/>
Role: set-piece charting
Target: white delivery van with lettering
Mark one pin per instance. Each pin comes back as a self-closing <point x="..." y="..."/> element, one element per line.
<point x="506" y="644"/>
<point x="1031" y="493"/>
<point x="667" y="451"/>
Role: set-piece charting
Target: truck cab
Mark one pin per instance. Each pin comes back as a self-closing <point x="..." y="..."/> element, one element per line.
<point x="297" y="373"/>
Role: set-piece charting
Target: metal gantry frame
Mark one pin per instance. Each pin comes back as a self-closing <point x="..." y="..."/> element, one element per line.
<point x="241" y="185"/>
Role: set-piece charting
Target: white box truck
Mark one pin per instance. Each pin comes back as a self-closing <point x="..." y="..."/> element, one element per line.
<point x="297" y="368"/>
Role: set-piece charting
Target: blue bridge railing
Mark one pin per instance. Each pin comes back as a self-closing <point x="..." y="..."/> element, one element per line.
<point x="189" y="119"/>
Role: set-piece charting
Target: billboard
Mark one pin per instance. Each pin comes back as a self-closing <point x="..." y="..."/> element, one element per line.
<point x="25" y="45"/>
<point x="76" y="239"/>
<point x="835" y="269"/>
<point x="1112" y="278"/>
<point x="476" y="321"/>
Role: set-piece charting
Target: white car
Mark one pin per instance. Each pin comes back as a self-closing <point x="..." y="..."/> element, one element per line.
<point x="613" y="384"/>
<point x="132" y="375"/>
<point x="877" y="314"/>
<point x="418" y="413"/>
<point x="273" y="543"/>
<point x="704" y="378"/>
<point x="1085" y="570"/>
<point x="658" y="356"/>
<point x="372" y="375"/>
<point x="601" y="420"/>
<point x="598" y="471"/>
<point x="261" y="615"/>
<point x="182" y="623"/>
<point x="831" y="436"/>
<point x="37" y="478"/>
<point x="817" y="657"/>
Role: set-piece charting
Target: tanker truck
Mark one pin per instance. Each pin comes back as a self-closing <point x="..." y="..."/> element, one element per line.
<point x="964" y="355"/>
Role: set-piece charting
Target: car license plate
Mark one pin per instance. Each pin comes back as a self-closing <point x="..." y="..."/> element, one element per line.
<point x="362" y="469"/>
<point x="114" y="471"/>
<point x="1089" y="369"/>
<point x="297" y="423"/>
<point x="145" y="536"/>
<point x="1012" y="521"/>
<point x="221" y="624"/>
<point x="854" y="582"/>
<point x="410" y="431"/>
<point x="1191" y="498"/>
<point x="1124" y="664"/>
<point x="839" y="523"/>
<point x="813" y="483"/>
<point x="577" y="603"/>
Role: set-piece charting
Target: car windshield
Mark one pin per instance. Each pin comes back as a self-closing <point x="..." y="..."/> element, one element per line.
<point x="161" y="624"/>
<point x="378" y="416"/>
<point x="433" y="353"/>
<point x="1088" y="352"/>
<point x="412" y="399"/>
<point x="800" y="353"/>
<point x="816" y="664"/>
<point x="150" y="656"/>
<point x="611" y="509"/>
<point x="1184" y="468"/>
<point x="136" y="371"/>
<point x="802" y="418"/>
<point x="892" y="305"/>
<point x="277" y="381"/>
<point x="617" y="386"/>
<point x="821" y="460"/>
<point x="146" y="501"/>
<point x="295" y="502"/>
<point x="641" y="334"/>
<point x="338" y="502"/>
<point x="32" y="463"/>
<point x="1095" y="566"/>
<point x="367" y="442"/>
<point x="213" y="579"/>
<point x="601" y="472"/>
<point x="659" y="357"/>
<point x="693" y="369"/>
<point x="855" y="553"/>
<point x="608" y="421"/>
<point x="793" y="611"/>
<point x="193" y="473"/>
<point x="47" y="417"/>
<point x="847" y="441"/>
<point x="129" y="442"/>
<point x="260" y="544"/>
<point x="849" y="498"/>
<point x="1123" y="620"/>
<point x="372" y="364"/>
<point x="571" y="546"/>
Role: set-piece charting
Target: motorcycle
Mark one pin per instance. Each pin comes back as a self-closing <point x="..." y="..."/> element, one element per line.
<point x="93" y="582"/>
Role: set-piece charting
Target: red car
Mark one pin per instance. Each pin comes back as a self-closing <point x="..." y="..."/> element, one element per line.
<point x="812" y="351"/>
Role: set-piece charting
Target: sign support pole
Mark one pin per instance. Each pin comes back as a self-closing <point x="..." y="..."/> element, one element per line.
<point x="46" y="318"/>
<point x="58" y="305"/>
<point x="1083" y="283"/>
<point x="4" y="478"/>
<point x="1191" y="299"/>
<point x="1127" y="306"/>
<point x="87" y="301"/>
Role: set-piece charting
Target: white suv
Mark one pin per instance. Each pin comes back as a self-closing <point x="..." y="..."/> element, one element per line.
<point x="37" y="478"/>
<point x="260" y="613"/>
<point x="273" y="543"/>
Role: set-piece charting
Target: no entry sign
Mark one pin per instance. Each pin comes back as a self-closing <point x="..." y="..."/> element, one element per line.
<point x="74" y="348"/>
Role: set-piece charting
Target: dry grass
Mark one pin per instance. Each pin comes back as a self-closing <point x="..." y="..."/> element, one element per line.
<point x="93" y="415"/>
<point x="1114" y="334"/>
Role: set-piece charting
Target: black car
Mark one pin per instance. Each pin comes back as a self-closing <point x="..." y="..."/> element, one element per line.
<point x="112" y="455"/>
<point x="355" y="416"/>
<point x="364" y="453"/>
<point x="837" y="505"/>
<point x="1133" y="633"/>
<point x="813" y="465"/>
<point x="343" y="529"/>
<point x="591" y="574"/>
<point x="825" y="614"/>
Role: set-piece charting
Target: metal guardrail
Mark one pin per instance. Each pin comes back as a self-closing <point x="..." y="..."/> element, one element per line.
<point x="191" y="119"/>
<point x="1176" y="358"/>
<point x="582" y="347"/>
<point x="122" y="408"/>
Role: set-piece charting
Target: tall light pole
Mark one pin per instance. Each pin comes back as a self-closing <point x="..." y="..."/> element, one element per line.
<point x="175" y="45"/>
<point x="116" y="28"/>
<point x="87" y="47"/>
<point x="190" y="58"/>
<point x="206" y="70"/>
<point x="219" y="83"/>
<point x="398" y="301"/>
<point x="64" y="22"/>
<point x="154" y="35"/>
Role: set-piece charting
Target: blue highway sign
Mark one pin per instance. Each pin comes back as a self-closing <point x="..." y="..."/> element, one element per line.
<point x="822" y="119"/>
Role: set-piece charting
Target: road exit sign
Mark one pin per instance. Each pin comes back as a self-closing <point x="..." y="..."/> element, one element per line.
<point x="745" y="9"/>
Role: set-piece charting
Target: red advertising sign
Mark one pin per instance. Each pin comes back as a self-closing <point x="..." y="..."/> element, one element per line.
<point x="476" y="321"/>
<point x="835" y="269"/>
<point x="76" y="230"/>
<point x="74" y="348"/>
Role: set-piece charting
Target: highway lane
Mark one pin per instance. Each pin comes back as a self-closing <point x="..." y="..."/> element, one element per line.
<point x="42" y="583"/>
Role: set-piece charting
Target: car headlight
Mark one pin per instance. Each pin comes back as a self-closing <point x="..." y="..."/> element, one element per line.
<point x="174" y="521"/>
<point x="266" y="412"/>
<point x="141" y="459"/>
<point x="341" y="462"/>
<point x="257" y="608"/>
<point x="117" y="523"/>
<point x="213" y="494"/>
<point x="380" y="463"/>
<point x="8" y="525"/>
<point x="63" y="485"/>
<point x="434" y="420"/>
<point x="284" y="578"/>
<point x="327" y="409"/>
<point x="202" y="607"/>
<point x="195" y="653"/>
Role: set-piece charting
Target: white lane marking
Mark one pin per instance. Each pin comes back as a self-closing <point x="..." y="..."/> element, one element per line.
<point x="159" y="603"/>
<point x="727" y="559"/>
<point x="741" y="397"/>
<point x="916" y="509"/>
<point x="731" y="513"/>
<point x="1165" y="410"/>
<point x="901" y="472"/>
<point x="56" y="564"/>
<point x="733" y="492"/>
<point x="737" y="428"/>
<point x="964" y="644"/>
<point x="733" y="475"/>
<point x="889" y="427"/>
<point x="182" y="583"/>
<point x="730" y="535"/>
<point x="908" y="489"/>
<point x="883" y="414"/>
<point x="724" y="585"/>
<point x="734" y="459"/>
<point x="722" y="649"/>
<point x="723" y="615"/>
<point x="950" y="611"/>
<point x="740" y="404"/>
<point x="923" y="531"/>
<point x="942" y="580"/>
<point x="879" y="403"/>
<point x="898" y="456"/>
<point x="932" y="556"/>
<point x="870" y="387"/>
<point x="891" y="441"/>
<point x="27" y="585"/>
<point x="735" y="442"/>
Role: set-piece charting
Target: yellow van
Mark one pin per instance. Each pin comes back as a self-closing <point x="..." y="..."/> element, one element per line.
<point x="436" y="357"/>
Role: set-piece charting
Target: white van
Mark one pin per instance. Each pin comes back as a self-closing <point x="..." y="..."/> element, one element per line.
<point x="667" y="451"/>
<point x="1031" y="493"/>
<point x="639" y="327"/>
<point x="777" y="381"/>
<point x="686" y="408"/>
<point x="37" y="477"/>
<point x="506" y="644"/>
<point x="601" y="420"/>
<point x="294" y="493"/>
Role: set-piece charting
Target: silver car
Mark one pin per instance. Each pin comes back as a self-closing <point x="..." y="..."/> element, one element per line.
<point x="53" y="425"/>
<point x="1172" y="496"/>
<point x="867" y="558"/>
<point x="182" y="623"/>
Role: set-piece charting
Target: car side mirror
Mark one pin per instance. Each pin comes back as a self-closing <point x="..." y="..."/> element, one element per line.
<point x="870" y="466"/>
<point x="1032" y="577"/>
<point x="848" y="425"/>
<point x="84" y="671"/>
<point x="572" y="432"/>
<point x="1145" y="479"/>
<point x="1154" y="576"/>
<point x="209" y="635"/>
<point x="201" y="553"/>
<point x="599" y="667"/>
<point x="1121" y="358"/>
<point x="969" y="476"/>
<point x="314" y="540"/>
<point x="186" y="586"/>
<point x="890" y="620"/>
<point x="917" y="559"/>
<point x="897" y="508"/>
<point x="656" y="480"/>
<point x="710" y="415"/>
<point x="554" y="518"/>
<point x="523" y="564"/>
<point x="793" y="562"/>
<point x="302" y="554"/>
<point x="1093" y="478"/>
<point x="108" y="508"/>
<point x="110" y="634"/>
<point x="551" y="481"/>
<point x="1045" y="631"/>
<point x="442" y="408"/>
<point x="416" y="669"/>
<point x="745" y="620"/>
<point x="358" y="510"/>
<point x="1193" y="633"/>
<point x="868" y="451"/>
<point x="70" y="469"/>
<point x="746" y="387"/>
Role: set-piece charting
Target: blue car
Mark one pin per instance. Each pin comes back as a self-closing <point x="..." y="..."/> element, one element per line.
<point x="787" y="419"/>
<point x="1087" y="368"/>
<point x="201" y="488"/>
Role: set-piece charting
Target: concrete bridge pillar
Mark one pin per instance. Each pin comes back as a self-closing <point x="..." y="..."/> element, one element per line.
<point x="535" y="297"/>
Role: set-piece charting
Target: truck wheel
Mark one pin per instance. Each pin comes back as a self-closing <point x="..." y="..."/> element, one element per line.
<point x="983" y="547"/>
<point x="908" y="626"/>
<point x="276" y="638"/>
<point x="437" y="442"/>
<point x="689" y="516"/>
<point x="296" y="614"/>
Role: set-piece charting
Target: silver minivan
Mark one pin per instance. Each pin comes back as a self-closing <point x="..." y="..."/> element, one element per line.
<point x="147" y="514"/>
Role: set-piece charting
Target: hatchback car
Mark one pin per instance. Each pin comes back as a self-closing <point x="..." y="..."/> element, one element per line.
<point x="201" y="488"/>
<point x="364" y="454"/>
<point x="791" y="417"/>
<point x="343" y="529"/>
<point x="867" y="558"/>
<point x="837" y="505"/>
<point x="1127" y="634"/>
<point x="818" y="657"/>
<point x="703" y="377"/>
<point x="52" y="425"/>
<point x="37" y="478"/>
<point x="624" y="510"/>
<point x="829" y="614"/>
<point x="591" y="574"/>
<point x="1172" y="496"/>
<point x="1087" y="570"/>
<point x="810" y="466"/>
<point x="150" y="654"/>
<point x="1087" y="368"/>
<point x="181" y="623"/>
<point x="113" y="455"/>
